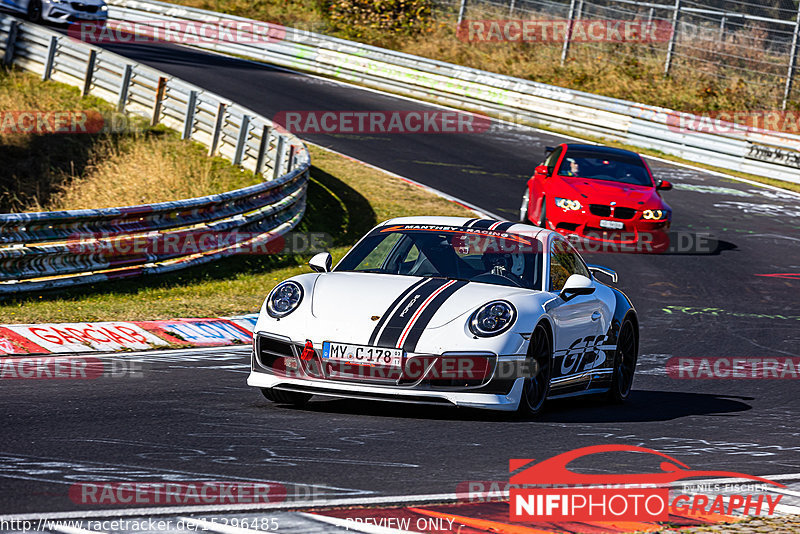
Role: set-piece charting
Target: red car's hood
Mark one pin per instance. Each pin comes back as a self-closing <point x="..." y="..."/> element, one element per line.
<point x="604" y="192"/>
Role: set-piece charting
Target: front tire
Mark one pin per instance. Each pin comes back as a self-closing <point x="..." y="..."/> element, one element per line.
<point x="543" y="214"/>
<point x="625" y="358"/>
<point x="35" y="10"/>
<point x="537" y="386"/>
<point x="523" y="210"/>
<point x="286" y="397"/>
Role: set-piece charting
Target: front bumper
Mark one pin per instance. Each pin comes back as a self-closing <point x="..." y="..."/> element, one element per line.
<point x="276" y="364"/>
<point x="634" y="234"/>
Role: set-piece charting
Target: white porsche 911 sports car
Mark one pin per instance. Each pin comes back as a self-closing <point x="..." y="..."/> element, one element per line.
<point x="449" y="311"/>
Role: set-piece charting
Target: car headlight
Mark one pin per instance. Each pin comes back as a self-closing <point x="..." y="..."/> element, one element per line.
<point x="492" y="319"/>
<point x="568" y="204"/>
<point x="104" y="8"/>
<point x="654" y="214"/>
<point x="284" y="299"/>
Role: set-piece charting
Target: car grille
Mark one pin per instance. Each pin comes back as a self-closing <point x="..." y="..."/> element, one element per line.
<point x="601" y="210"/>
<point x="269" y="350"/>
<point x="624" y="213"/>
<point x="78" y="6"/>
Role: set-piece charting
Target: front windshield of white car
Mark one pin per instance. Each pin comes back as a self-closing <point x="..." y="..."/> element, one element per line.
<point x="486" y="256"/>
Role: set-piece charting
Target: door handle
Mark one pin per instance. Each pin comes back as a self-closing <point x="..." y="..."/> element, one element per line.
<point x="595" y="316"/>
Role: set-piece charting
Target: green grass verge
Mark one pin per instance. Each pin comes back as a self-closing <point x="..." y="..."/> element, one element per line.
<point x="345" y="199"/>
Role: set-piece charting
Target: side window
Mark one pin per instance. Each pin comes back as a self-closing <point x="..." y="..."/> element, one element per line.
<point x="376" y="258"/>
<point x="552" y="159"/>
<point x="564" y="262"/>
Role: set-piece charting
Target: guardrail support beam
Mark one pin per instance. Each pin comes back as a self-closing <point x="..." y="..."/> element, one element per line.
<point x="672" y="38"/>
<point x="290" y="163"/>
<point x="51" y="55"/>
<point x="8" y="57"/>
<point x="241" y="141"/>
<point x="787" y="89"/>
<point x="217" y="133"/>
<point x="568" y="37"/>
<point x="122" y="95"/>
<point x="262" y="148"/>
<point x="276" y="170"/>
<point x="160" y="90"/>
<point x="188" y="119"/>
<point x="87" y="78"/>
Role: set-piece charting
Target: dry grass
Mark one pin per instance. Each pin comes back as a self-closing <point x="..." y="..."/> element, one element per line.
<point x="707" y="81"/>
<point x="147" y="168"/>
<point x="346" y="199"/>
<point x="71" y="171"/>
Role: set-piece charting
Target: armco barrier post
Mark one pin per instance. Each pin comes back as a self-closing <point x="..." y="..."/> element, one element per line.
<point x="565" y="46"/>
<point x="290" y="163"/>
<point x="673" y="37"/>
<point x="461" y="10"/>
<point x="188" y="119"/>
<point x="160" y="90"/>
<point x="51" y="55"/>
<point x="87" y="78"/>
<point x="787" y="89"/>
<point x="241" y="141"/>
<point x="122" y="96"/>
<point x="276" y="171"/>
<point x="218" y="121"/>
<point x="262" y="148"/>
<point x="10" y="42"/>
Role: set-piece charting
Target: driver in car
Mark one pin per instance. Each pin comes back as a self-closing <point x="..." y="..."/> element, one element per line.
<point x="570" y="168"/>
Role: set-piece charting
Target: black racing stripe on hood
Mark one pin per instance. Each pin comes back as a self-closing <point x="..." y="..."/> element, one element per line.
<point x="385" y="316"/>
<point x="410" y="343"/>
<point x="483" y="224"/>
<point x="406" y="310"/>
<point x="502" y="227"/>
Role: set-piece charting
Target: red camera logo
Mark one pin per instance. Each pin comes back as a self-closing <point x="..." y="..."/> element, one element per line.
<point x="549" y="491"/>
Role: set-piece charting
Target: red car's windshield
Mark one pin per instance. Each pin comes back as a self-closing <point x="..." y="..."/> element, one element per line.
<point x="609" y="167"/>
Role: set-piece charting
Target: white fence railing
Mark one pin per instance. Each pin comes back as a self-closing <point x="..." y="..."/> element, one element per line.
<point x="92" y="245"/>
<point x="761" y="153"/>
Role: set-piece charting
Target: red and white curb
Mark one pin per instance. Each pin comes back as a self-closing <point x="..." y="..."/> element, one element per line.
<point x="114" y="336"/>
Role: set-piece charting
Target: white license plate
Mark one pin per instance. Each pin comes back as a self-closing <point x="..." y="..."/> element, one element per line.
<point x="614" y="225"/>
<point x="362" y="354"/>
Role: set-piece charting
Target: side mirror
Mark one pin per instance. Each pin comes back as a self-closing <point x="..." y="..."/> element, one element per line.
<point x="663" y="185"/>
<point x="595" y="269"/>
<point x="542" y="169"/>
<point x="321" y="262"/>
<point x="577" y="284"/>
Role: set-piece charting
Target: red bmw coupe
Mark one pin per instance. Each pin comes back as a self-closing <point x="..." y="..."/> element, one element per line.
<point x="601" y="196"/>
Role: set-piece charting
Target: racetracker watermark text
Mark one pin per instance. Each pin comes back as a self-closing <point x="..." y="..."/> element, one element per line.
<point x="43" y="122"/>
<point x="560" y="30"/>
<point x="151" y="524"/>
<point x="727" y="368"/>
<point x="182" y="32"/>
<point x="382" y="122"/>
<point x="67" y="368"/>
<point x="196" y="242"/>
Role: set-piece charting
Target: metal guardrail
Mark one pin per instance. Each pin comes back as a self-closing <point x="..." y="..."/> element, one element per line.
<point x="48" y="250"/>
<point x="769" y="154"/>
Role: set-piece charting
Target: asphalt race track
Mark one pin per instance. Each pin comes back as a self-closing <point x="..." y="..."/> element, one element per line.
<point x="190" y="415"/>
